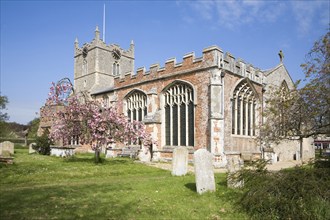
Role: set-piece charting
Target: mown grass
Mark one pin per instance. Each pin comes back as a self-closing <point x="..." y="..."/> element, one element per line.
<point x="43" y="187"/>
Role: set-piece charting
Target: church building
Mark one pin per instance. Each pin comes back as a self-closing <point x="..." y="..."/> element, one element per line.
<point x="214" y="101"/>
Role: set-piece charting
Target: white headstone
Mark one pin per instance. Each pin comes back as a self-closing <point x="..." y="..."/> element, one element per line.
<point x="180" y="161"/>
<point x="204" y="173"/>
<point x="7" y="146"/>
<point x="31" y="150"/>
<point x="144" y="154"/>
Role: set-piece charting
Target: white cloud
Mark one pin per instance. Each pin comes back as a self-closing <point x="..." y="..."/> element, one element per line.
<point x="308" y="12"/>
<point x="204" y="8"/>
<point x="232" y="14"/>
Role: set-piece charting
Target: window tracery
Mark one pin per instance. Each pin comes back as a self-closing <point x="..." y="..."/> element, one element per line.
<point x="136" y="106"/>
<point x="179" y="115"/>
<point x="243" y="110"/>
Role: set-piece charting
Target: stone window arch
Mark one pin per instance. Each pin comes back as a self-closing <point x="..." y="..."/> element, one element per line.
<point x="136" y="105"/>
<point x="179" y="114"/>
<point x="115" y="69"/>
<point x="244" y="104"/>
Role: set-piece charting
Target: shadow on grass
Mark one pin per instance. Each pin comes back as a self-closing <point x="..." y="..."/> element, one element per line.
<point x="222" y="183"/>
<point x="191" y="186"/>
<point x="91" y="159"/>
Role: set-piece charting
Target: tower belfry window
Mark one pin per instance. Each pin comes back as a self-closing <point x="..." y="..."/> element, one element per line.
<point x="179" y="115"/>
<point x="115" y="69"/>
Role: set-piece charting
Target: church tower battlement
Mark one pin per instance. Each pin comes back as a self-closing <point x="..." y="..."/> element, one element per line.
<point x="96" y="64"/>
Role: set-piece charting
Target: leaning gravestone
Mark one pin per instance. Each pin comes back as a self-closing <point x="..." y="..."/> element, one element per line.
<point x="180" y="161"/>
<point x="234" y="165"/>
<point x="7" y="146"/>
<point x="204" y="173"/>
<point x="31" y="150"/>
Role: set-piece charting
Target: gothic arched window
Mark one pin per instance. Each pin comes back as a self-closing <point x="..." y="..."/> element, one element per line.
<point x="179" y="115"/>
<point x="243" y="110"/>
<point x="136" y="106"/>
<point x="115" y="69"/>
<point x="284" y="95"/>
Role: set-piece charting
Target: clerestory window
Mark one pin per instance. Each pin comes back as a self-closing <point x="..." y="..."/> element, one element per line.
<point x="179" y="115"/>
<point x="244" y="110"/>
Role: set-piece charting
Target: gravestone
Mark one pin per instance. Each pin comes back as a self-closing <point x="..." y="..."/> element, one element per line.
<point x="144" y="154"/>
<point x="204" y="173"/>
<point x="31" y="150"/>
<point x="234" y="165"/>
<point x="7" y="146"/>
<point x="180" y="161"/>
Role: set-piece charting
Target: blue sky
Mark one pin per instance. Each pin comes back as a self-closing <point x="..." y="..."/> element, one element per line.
<point x="37" y="37"/>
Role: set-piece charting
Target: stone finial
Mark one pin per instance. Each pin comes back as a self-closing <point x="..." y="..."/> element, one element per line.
<point x="76" y="43"/>
<point x="97" y="33"/>
<point x="281" y="55"/>
<point x="132" y="47"/>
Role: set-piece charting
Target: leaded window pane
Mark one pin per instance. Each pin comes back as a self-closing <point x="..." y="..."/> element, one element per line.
<point x="233" y="107"/>
<point x="167" y="125"/>
<point x="175" y="125"/>
<point x="249" y="118"/>
<point x="239" y="121"/>
<point x="183" y="125"/>
<point x="191" y="123"/>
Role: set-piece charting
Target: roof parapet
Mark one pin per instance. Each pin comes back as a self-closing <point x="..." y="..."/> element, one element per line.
<point x="213" y="56"/>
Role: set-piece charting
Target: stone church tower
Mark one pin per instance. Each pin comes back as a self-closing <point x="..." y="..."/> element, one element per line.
<point x="97" y="64"/>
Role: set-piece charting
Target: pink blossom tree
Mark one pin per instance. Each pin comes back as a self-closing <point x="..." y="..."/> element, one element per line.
<point x="92" y="124"/>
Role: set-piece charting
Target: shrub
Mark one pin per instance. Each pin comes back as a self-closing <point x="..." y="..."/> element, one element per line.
<point x="43" y="144"/>
<point x="299" y="193"/>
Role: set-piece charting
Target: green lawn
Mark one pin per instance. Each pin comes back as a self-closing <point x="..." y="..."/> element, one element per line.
<point x="43" y="187"/>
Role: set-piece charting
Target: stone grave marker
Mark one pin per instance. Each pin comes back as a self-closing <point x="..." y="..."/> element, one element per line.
<point x="234" y="165"/>
<point x="180" y="161"/>
<point x="144" y="154"/>
<point x="204" y="173"/>
<point x="7" y="146"/>
<point x="31" y="150"/>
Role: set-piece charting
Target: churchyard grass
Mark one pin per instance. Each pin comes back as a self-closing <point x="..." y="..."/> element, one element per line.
<point x="44" y="187"/>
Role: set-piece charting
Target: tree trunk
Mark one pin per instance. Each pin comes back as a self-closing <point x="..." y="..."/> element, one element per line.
<point x="301" y="148"/>
<point x="97" y="156"/>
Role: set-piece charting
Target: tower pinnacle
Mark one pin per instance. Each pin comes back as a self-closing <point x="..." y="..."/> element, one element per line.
<point x="97" y="33"/>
